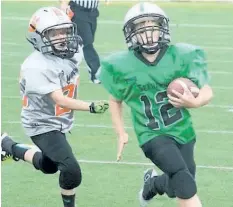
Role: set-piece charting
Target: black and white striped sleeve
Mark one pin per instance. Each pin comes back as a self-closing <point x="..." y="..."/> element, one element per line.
<point x="88" y="4"/>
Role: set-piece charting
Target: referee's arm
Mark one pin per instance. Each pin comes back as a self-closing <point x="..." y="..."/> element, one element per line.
<point x="64" y="5"/>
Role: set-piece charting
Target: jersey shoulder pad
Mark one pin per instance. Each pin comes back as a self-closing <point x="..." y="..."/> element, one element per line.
<point x="184" y="48"/>
<point x="40" y="74"/>
<point x="42" y="63"/>
<point x="114" y="60"/>
<point x="37" y="65"/>
<point x="34" y="60"/>
<point x="187" y="52"/>
<point x="116" y="57"/>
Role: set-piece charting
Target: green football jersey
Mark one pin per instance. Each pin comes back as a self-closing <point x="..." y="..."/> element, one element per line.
<point x="143" y="88"/>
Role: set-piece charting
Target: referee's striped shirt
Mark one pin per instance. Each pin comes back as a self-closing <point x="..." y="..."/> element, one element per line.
<point x="88" y="4"/>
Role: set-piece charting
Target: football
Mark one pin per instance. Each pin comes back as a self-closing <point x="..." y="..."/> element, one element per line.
<point x="179" y="85"/>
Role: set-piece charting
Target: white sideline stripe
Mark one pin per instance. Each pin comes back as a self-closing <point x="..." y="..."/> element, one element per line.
<point x="11" y="97"/>
<point x="220" y="61"/>
<point x="121" y="23"/>
<point x="222" y="87"/>
<point x="148" y="164"/>
<point x="11" y="43"/>
<point x="127" y="127"/>
<point x="210" y="105"/>
<point x="220" y="72"/>
<point x="218" y="48"/>
<point x="220" y="106"/>
<point x="104" y="162"/>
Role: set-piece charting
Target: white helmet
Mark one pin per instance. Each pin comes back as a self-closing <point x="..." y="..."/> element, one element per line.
<point x="51" y="31"/>
<point x="140" y="13"/>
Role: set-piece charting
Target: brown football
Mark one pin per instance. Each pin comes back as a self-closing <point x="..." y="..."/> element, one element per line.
<point x="179" y="84"/>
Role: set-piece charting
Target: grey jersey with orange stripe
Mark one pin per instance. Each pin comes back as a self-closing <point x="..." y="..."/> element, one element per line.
<point x="40" y="75"/>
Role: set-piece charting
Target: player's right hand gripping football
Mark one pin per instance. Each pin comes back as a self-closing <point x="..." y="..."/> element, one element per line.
<point x="99" y="107"/>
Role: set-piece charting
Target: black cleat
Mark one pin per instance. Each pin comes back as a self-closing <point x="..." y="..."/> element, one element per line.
<point x="5" y="156"/>
<point x="6" y="144"/>
<point x="146" y="194"/>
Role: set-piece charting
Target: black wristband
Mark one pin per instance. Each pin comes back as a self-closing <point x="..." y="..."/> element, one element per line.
<point x="92" y="108"/>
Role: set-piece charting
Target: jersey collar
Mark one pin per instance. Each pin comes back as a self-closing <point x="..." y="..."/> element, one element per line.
<point x="159" y="57"/>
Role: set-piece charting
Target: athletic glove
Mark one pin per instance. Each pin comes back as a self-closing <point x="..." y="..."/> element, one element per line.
<point x="99" y="107"/>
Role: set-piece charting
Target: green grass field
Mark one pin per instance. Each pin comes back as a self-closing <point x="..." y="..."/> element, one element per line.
<point x="209" y="25"/>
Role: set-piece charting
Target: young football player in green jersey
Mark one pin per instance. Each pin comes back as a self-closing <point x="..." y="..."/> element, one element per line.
<point x="140" y="77"/>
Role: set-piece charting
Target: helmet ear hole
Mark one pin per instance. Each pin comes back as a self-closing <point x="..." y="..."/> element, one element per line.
<point x="160" y="22"/>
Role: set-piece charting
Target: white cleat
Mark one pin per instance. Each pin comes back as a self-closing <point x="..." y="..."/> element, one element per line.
<point x="96" y="81"/>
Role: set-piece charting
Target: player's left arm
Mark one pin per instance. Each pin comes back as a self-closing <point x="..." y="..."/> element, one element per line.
<point x="187" y="100"/>
<point x="204" y="97"/>
<point x="64" y="4"/>
<point x="197" y="72"/>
